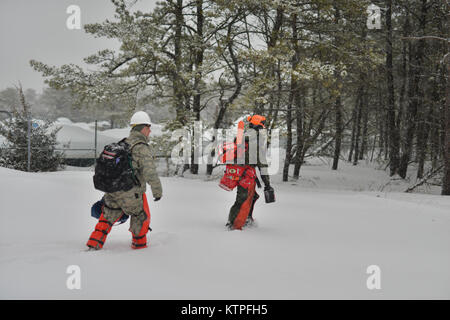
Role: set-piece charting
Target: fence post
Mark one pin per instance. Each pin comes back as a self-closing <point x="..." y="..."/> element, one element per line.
<point x="29" y="142"/>
<point x="95" y="139"/>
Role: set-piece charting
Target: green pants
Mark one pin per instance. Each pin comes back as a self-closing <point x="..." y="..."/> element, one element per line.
<point x="129" y="203"/>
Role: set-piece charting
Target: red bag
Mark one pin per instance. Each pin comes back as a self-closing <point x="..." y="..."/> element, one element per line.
<point x="237" y="175"/>
<point x="231" y="177"/>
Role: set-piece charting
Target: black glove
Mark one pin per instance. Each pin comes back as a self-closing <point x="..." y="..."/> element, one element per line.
<point x="156" y="199"/>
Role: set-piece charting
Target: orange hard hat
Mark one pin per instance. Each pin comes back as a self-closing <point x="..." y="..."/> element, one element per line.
<point x="257" y="121"/>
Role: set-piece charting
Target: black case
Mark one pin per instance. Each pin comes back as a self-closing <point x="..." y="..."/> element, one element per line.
<point x="269" y="195"/>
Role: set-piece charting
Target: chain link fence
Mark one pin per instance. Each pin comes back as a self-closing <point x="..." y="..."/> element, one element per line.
<point x="73" y="156"/>
<point x="81" y="150"/>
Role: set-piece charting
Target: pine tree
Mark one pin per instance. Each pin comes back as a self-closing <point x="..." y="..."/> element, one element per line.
<point x="14" y="153"/>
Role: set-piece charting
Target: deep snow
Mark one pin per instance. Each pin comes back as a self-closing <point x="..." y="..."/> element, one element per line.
<point x="316" y="241"/>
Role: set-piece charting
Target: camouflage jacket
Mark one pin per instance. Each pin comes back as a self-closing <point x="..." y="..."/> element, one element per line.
<point x="143" y="163"/>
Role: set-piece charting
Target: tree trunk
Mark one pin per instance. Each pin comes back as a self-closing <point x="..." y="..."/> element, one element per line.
<point x="196" y="106"/>
<point x="358" y="125"/>
<point x="446" y="179"/>
<point x="224" y="104"/>
<point x="288" y="157"/>
<point x="176" y="81"/>
<point x="352" y="141"/>
<point x="415" y="99"/>
<point x="437" y="106"/>
<point x="338" y="134"/>
<point x="410" y="117"/>
<point x="298" y="161"/>
<point x="381" y="124"/>
<point x="295" y="90"/>
<point x="364" y="110"/>
<point x="403" y="75"/>
<point x="422" y="143"/>
<point x="365" y="120"/>
<point x="337" y="105"/>
<point x="391" y="114"/>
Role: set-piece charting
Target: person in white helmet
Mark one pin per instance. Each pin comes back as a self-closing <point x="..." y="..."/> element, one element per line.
<point x="132" y="202"/>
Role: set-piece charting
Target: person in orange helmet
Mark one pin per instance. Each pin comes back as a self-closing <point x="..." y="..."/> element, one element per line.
<point x="241" y="213"/>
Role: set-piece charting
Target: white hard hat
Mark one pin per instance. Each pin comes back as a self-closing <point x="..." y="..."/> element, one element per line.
<point x="140" y="117"/>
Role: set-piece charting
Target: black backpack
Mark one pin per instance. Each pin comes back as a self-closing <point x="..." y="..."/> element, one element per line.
<point x="113" y="169"/>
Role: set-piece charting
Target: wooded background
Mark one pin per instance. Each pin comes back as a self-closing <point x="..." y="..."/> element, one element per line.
<point x="332" y="85"/>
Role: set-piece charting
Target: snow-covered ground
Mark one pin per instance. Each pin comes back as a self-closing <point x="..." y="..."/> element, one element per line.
<point x="316" y="241"/>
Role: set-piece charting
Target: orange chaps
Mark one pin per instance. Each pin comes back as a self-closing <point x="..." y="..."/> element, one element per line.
<point x="140" y="240"/>
<point x="246" y="207"/>
<point x="98" y="237"/>
<point x="103" y="227"/>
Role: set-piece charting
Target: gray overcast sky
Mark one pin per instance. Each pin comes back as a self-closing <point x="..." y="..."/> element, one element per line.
<point x="36" y="29"/>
